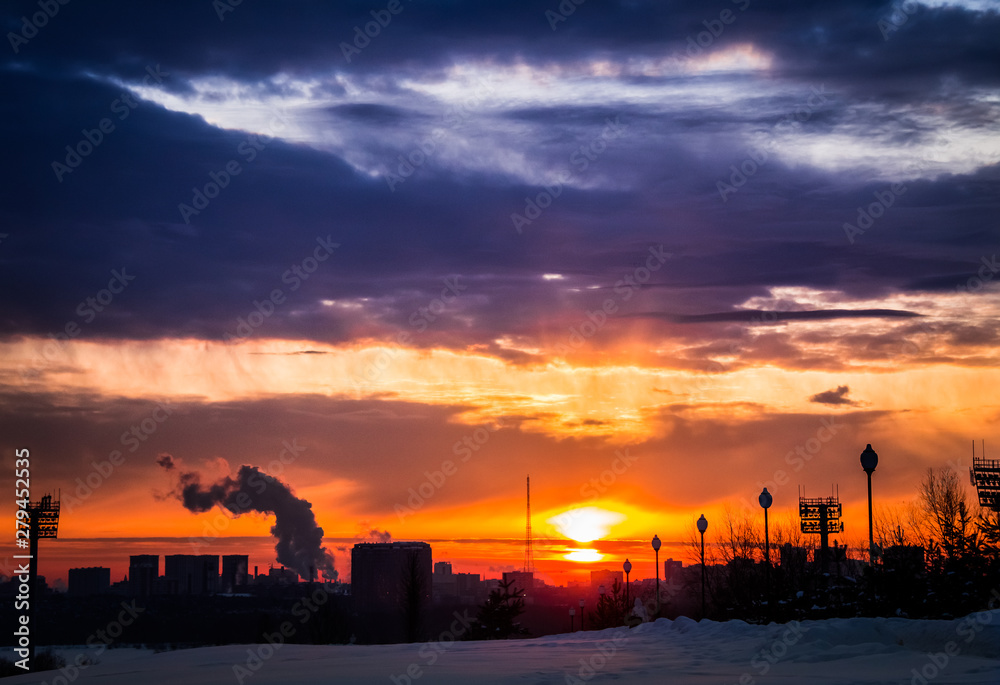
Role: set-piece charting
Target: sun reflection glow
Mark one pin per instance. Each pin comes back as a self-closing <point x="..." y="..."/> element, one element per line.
<point x="584" y="555"/>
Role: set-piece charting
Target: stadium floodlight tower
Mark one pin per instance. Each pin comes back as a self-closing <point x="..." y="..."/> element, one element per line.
<point x="821" y="515"/>
<point x="985" y="475"/>
<point x="43" y="522"/>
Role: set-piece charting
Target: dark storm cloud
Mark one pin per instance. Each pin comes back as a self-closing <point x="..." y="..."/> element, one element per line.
<point x="657" y="185"/>
<point x="378" y="115"/>
<point x="118" y="209"/>
<point x="833" y="40"/>
<point x="834" y="397"/>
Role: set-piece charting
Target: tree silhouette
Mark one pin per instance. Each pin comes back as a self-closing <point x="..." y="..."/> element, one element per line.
<point x="610" y="610"/>
<point x="948" y="513"/>
<point x="496" y="619"/>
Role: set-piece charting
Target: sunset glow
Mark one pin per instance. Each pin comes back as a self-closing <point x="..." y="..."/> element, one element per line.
<point x="656" y="256"/>
<point x="584" y="555"/>
<point x="586" y="524"/>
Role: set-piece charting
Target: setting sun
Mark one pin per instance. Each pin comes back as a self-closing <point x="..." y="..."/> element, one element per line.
<point x="586" y="523"/>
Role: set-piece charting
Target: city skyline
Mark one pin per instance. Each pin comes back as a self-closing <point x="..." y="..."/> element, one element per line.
<point x="573" y="541"/>
<point x="554" y="568"/>
<point x="231" y="565"/>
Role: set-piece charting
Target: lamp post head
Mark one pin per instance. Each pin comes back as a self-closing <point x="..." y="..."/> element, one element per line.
<point x="572" y="611"/>
<point x="581" y="606"/>
<point x="601" y="590"/>
<point x="765" y="498"/>
<point x="627" y="566"/>
<point x="869" y="459"/>
<point x="656" y="543"/>
<point x="702" y="524"/>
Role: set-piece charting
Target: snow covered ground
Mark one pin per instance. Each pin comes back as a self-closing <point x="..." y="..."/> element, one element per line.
<point x="859" y="650"/>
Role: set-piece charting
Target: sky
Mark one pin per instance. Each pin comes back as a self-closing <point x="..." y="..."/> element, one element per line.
<point x="401" y="255"/>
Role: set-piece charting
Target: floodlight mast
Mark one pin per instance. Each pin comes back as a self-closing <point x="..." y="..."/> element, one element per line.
<point x="43" y="522"/>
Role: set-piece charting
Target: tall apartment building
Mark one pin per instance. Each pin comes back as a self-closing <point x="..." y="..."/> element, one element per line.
<point x="189" y="574"/>
<point x="143" y="572"/>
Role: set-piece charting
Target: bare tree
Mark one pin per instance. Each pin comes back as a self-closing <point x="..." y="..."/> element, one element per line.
<point x="901" y="525"/>
<point x="740" y="538"/>
<point x="947" y="512"/>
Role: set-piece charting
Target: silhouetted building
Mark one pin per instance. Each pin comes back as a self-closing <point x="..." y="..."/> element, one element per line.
<point x="523" y="580"/>
<point x="470" y="588"/>
<point x="672" y="570"/>
<point x="143" y="571"/>
<point x="282" y="576"/>
<point x="392" y="588"/>
<point x="10" y="585"/>
<point x="84" y="582"/>
<point x="444" y="581"/>
<point x="188" y="574"/>
<point x="234" y="572"/>
<point x="380" y="571"/>
<point x="607" y="579"/>
<point x="123" y="588"/>
<point x="466" y="588"/>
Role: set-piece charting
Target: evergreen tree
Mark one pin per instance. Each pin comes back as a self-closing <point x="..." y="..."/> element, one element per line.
<point x="610" y="610"/>
<point x="497" y="617"/>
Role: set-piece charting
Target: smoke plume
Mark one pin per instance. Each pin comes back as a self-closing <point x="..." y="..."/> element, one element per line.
<point x="376" y="535"/>
<point x="300" y="540"/>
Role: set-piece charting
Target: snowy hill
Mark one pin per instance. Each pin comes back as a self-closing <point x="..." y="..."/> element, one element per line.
<point x="859" y="650"/>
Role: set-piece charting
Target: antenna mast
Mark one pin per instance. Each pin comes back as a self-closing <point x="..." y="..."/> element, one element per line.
<point x="529" y="557"/>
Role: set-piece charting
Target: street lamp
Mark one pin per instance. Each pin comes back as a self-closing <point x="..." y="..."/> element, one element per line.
<point x="656" y="548"/>
<point x="765" y="500"/>
<point x="869" y="460"/>
<point x="628" y="569"/>
<point x="572" y="613"/>
<point x="581" y="614"/>
<point x="702" y="527"/>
